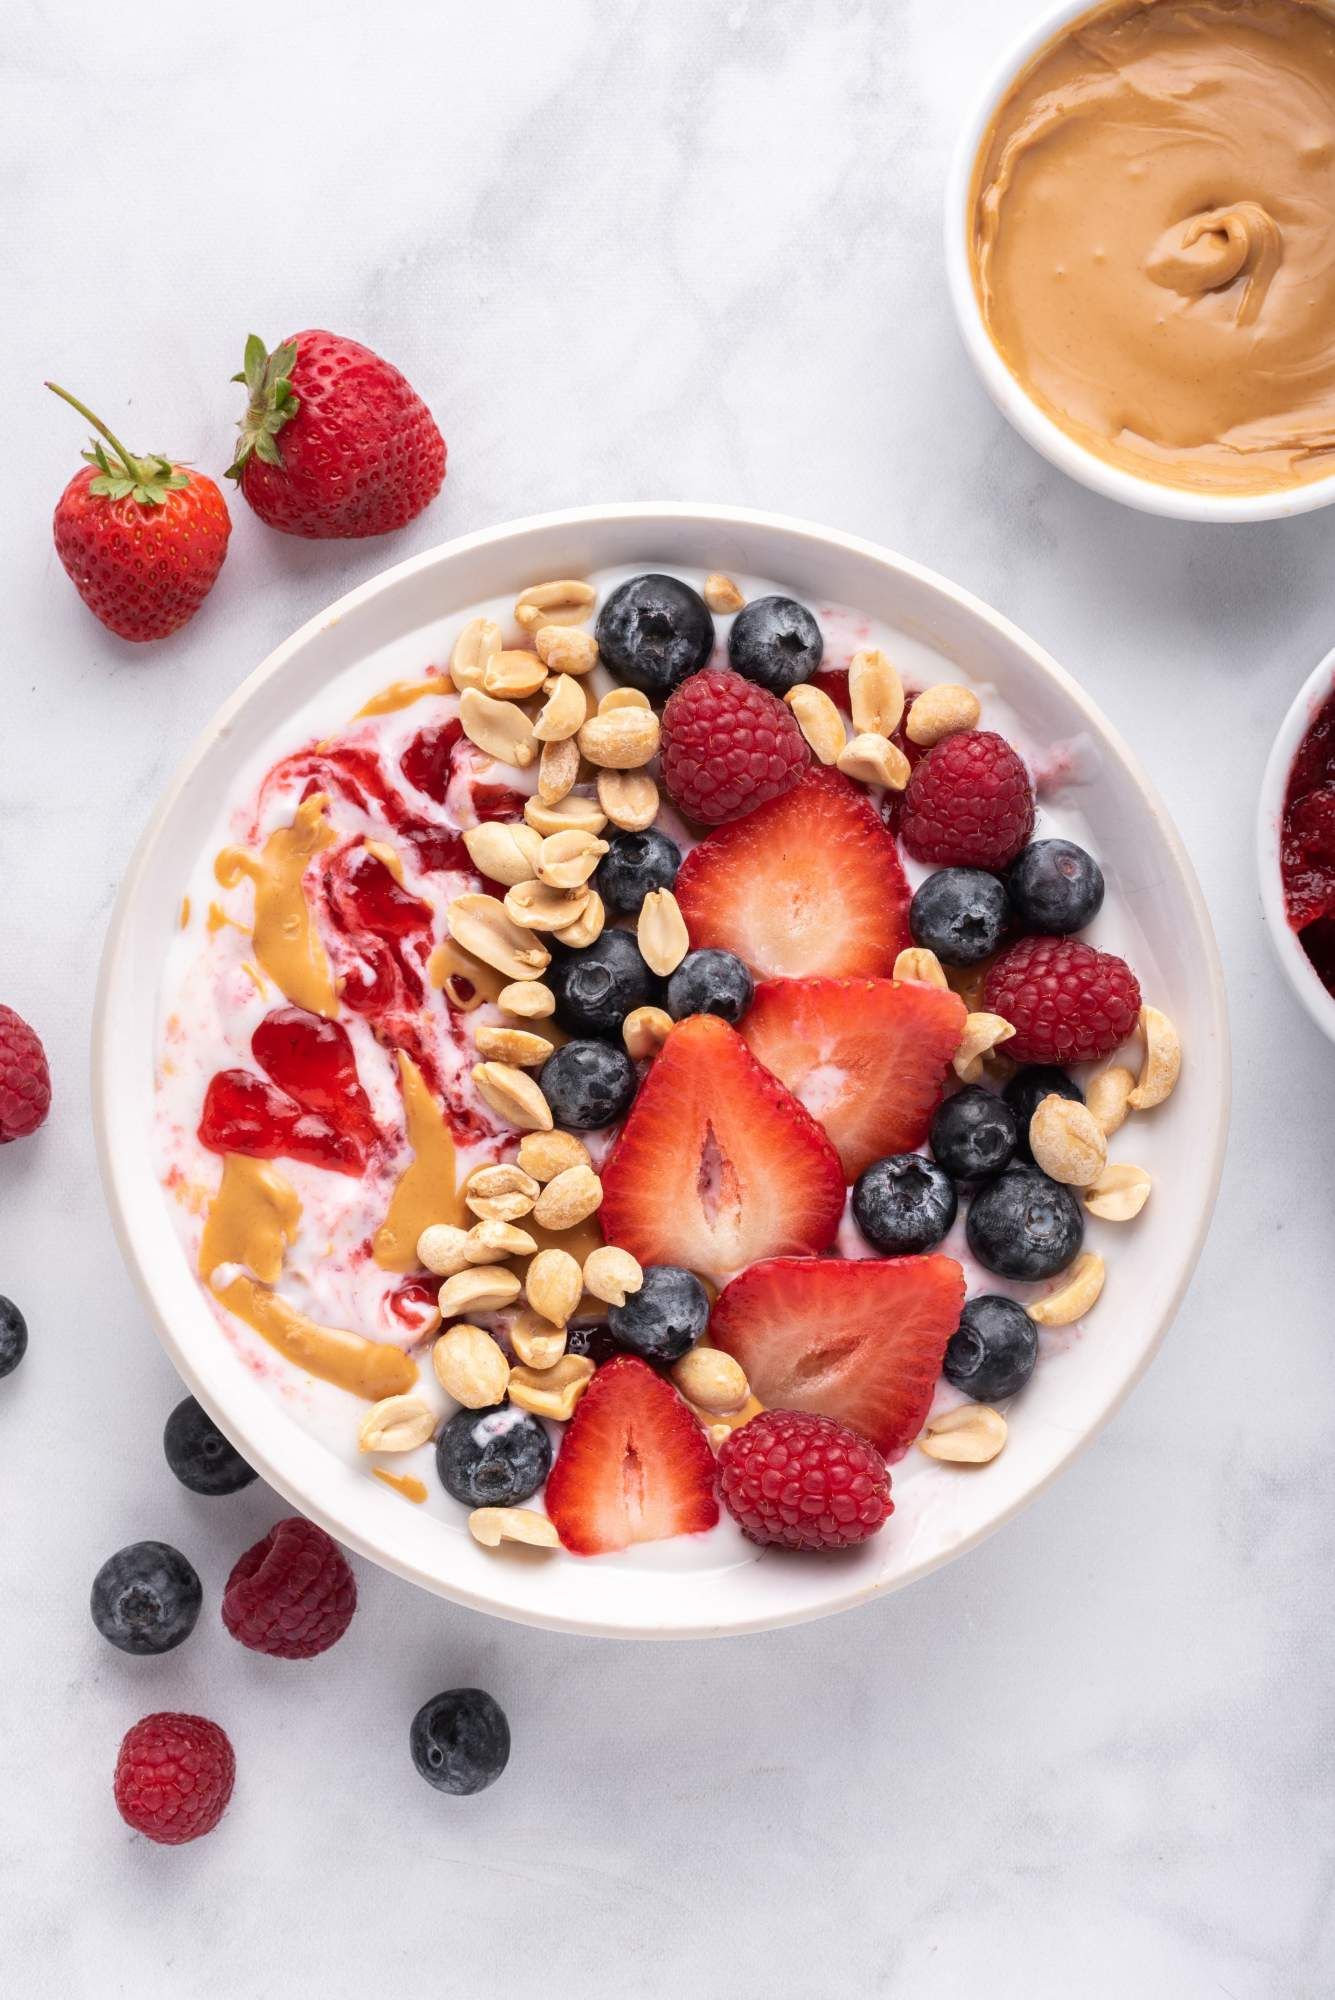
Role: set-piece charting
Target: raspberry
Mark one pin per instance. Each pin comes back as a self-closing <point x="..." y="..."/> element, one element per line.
<point x="1067" y="1002"/>
<point x="803" y="1481"/>
<point x="25" y="1081"/>
<point x="174" y="1776"/>
<point x="969" y="803"/>
<point x="292" y="1595"/>
<point x="728" y="746"/>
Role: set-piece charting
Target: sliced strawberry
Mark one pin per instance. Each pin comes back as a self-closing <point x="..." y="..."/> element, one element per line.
<point x="859" y="1341"/>
<point x="634" y="1465"/>
<point x="866" y="1056"/>
<point x="717" y="1163"/>
<point x="808" y="886"/>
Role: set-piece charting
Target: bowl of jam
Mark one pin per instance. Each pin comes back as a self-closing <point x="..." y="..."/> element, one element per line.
<point x="1296" y="836"/>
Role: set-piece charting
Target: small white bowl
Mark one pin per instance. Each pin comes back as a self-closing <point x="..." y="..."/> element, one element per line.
<point x="1298" y="967"/>
<point x="1178" y="503"/>
<point x="715" y="1584"/>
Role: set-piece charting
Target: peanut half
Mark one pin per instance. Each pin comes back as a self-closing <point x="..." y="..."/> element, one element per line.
<point x="629" y="799"/>
<point x="611" y="1274"/>
<point x="1109" y="1099"/>
<point x="722" y="595"/>
<point x="476" y="645"/>
<point x="398" y="1423"/>
<point x="498" y="727"/>
<point x="1162" y="1064"/>
<point x="570" y="1198"/>
<point x="874" y="760"/>
<point x="544" y="1155"/>
<point x="942" y="711"/>
<point x="819" y="721"/>
<point x="443" y="1249"/>
<point x="554" y="1285"/>
<point x="921" y="967"/>
<point x="493" y="1525"/>
<point x="552" y="1392"/>
<point x="470" y="1366"/>
<point x="644" y="1031"/>
<point x="513" y="1095"/>
<point x="566" y="602"/>
<point x="661" y="932"/>
<point x="982" y="1034"/>
<point x="1067" y="1141"/>
<point x="1119" y="1193"/>
<point x="1073" y="1299"/>
<point x="973" y="1434"/>
<point x="875" y="693"/>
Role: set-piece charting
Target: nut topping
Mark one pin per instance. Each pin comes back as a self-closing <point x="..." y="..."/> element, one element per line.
<point x="1162" y="1063"/>
<point x="722" y="595"/>
<point x="1067" y="1141"/>
<point x="512" y="1045"/>
<point x="1119" y="1193"/>
<point x="629" y="799"/>
<point x="493" y="1242"/>
<point x="982" y="1034"/>
<point x="711" y="1379"/>
<point x="611" y="1275"/>
<point x="564" y="603"/>
<point x="562" y="713"/>
<point x="567" y="860"/>
<point x="480" y="925"/>
<point x="942" y="711"/>
<point x="1074" y="1297"/>
<point x="569" y="1198"/>
<point x="1109" y="1099"/>
<point x="528" y="998"/>
<point x="558" y="769"/>
<point x="538" y="1344"/>
<point x="544" y="1155"/>
<point x="568" y="815"/>
<point x="513" y="1095"/>
<point x="470" y="1366"/>
<point x="554" y="1285"/>
<point x="622" y="740"/>
<point x="819" y="721"/>
<point x="535" y="907"/>
<point x="493" y="1525"/>
<point x="973" y="1434"/>
<point x="484" y="1288"/>
<point x="921" y="967"/>
<point x="476" y="645"/>
<point x="442" y="1248"/>
<point x="564" y="649"/>
<point x="623" y="697"/>
<point x="661" y="932"/>
<point x="506" y="852"/>
<point x="552" y="1392"/>
<point x="501" y="1193"/>
<point x="499" y="727"/>
<point x="513" y="676"/>
<point x="398" y="1423"/>
<point x="586" y="927"/>
<point x="874" y="760"/>
<point x="875" y="693"/>
<point x="644" y="1031"/>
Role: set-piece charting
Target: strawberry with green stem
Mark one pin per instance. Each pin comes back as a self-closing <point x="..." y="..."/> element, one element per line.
<point x="141" y="539"/>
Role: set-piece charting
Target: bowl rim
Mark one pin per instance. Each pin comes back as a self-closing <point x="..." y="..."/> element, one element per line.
<point x="1298" y="968"/>
<point x="1148" y="496"/>
<point x="322" y="1505"/>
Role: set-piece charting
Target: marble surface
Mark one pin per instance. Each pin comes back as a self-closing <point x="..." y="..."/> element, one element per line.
<point x="669" y="250"/>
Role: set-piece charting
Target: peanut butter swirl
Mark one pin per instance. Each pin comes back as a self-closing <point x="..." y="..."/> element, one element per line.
<point x="1154" y="238"/>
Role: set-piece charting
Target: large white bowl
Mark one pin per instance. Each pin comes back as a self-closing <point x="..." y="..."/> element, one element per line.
<point x="1179" y="503"/>
<point x="670" y="1589"/>
<point x="1298" y="967"/>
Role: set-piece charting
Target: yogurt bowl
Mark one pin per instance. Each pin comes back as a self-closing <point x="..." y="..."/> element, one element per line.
<point x="1315" y="692"/>
<point x="391" y="631"/>
<point x="1059" y="446"/>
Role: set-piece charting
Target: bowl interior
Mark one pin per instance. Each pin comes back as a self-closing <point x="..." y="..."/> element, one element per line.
<point x="1148" y="496"/>
<point x="1298" y="967"/>
<point x="398" y="623"/>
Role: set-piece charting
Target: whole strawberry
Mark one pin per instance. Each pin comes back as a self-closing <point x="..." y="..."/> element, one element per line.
<point x="335" y="443"/>
<point x="141" y="539"/>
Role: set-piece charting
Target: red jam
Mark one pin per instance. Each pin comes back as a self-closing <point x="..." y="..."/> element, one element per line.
<point x="312" y="1060"/>
<point x="244" y="1114"/>
<point x="1307" y="843"/>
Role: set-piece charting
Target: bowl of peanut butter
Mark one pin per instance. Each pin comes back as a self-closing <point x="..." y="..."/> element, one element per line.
<point x="1140" y="243"/>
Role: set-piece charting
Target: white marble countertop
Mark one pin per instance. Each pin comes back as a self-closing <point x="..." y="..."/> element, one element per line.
<point x="639" y="251"/>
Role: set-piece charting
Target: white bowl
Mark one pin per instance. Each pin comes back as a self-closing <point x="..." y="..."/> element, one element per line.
<point x="1151" y="496"/>
<point x="718" y="1585"/>
<point x="1301" y="973"/>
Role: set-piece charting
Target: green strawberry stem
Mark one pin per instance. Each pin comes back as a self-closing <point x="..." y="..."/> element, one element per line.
<point x="147" y="480"/>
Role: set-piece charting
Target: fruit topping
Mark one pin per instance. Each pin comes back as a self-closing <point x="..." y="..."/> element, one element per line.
<point x="728" y="747"/>
<point x="969" y="803"/>
<point x="597" y="987"/>
<point x="653" y="631"/>
<point x="974" y="1134"/>
<point x="366" y="895"/>
<point x="1066" y="1001"/>
<point x="808" y="886"/>
<point x="493" y="1457"/>
<point x="1023" y="1225"/>
<point x="13" y="1336"/>
<point x="710" y="982"/>
<point x="1055" y="887"/>
<point x="174" y="1776"/>
<point x="313" y="1061"/>
<point x="335" y="442"/>
<point x="868" y="1057"/>
<point x="634" y="864"/>
<point x="861" y="1342"/>
<point x="1025" y="1091"/>
<point x="200" y="1456"/>
<point x="634" y="1466"/>
<point x="904" y="1204"/>
<point x="665" y="1318"/>
<point x="992" y="1355"/>
<point x="717" y="1164"/>
<point x="25" y="1081"/>
<point x="961" y="914"/>
<point x="799" y="1481"/>
<point x="141" y="539"/>
<point x="429" y="761"/>
<point x="292" y="1595"/>
<point x="244" y="1114"/>
<point x="460" y="1741"/>
<point x="588" y="1085"/>
<point x="146" y="1598"/>
<point x="775" y="642"/>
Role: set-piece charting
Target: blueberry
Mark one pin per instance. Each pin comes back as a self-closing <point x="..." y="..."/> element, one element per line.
<point x="200" y="1456"/>
<point x="588" y="1085"/>
<point x="13" y="1336"/>
<point x="903" y="1203"/>
<point x="146" y="1598"/>
<point x="634" y="864"/>
<point x="460" y="1741"/>
<point x="653" y="631"/>
<point x="1026" y="1091"/>
<point x="595" y="1343"/>
<point x="595" y="989"/>
<point x="1024" y="1225"/>
<point x="710" y="982"/>
<point x="665" y="1318"/>
<point x="994" y="1350"/>
<point x="776" y="642"/>
<point x="1055" y="886"/>
<point x="960" y="914"/>
<point x="974" y="1134"/>
<point x="496" y="1457"/>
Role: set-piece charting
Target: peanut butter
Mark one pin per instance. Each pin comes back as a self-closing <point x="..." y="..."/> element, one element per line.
<point x="287" y="943"/>
<point x="251" y="1222"/>
<point x="427" y="1190"/>
<point x="1153" y="239"/>
<point x="402" y="694"/>
<point x="402" y="1482"/>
